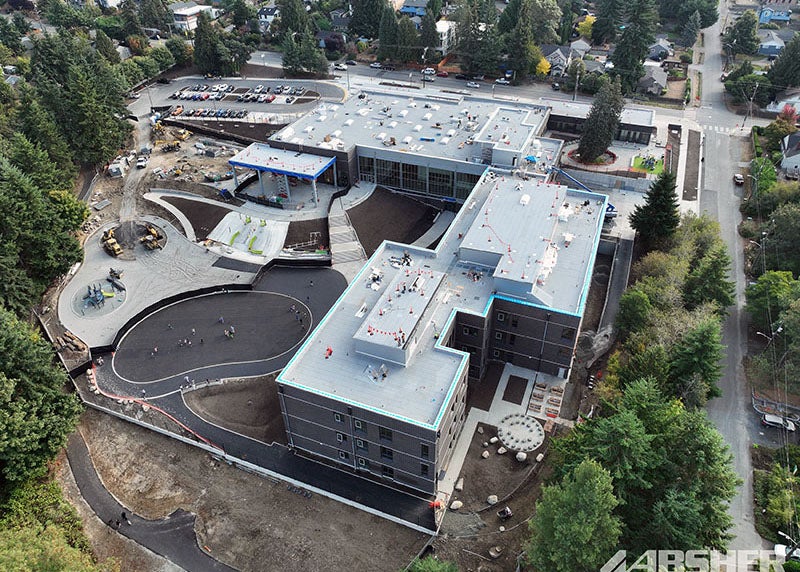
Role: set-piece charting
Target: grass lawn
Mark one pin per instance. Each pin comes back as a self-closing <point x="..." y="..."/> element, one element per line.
<point x="638" y="165"/>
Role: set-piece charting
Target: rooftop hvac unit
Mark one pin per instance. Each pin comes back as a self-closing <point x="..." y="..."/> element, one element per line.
<point x="417" y="128"/>
<point x="363" y="112"/>
<point x="393" y="124"/>
<point x="407" y="139"/>
<point x="380" y="136"/>
<point x="444" y="140"/>
<point x="451" y="132"/>
<point x="309" y="129"/>
<point x="322" y="118"/>
<point x="427" y="116"/>
<point x="337" y="133"/>
<point x="403" y="112"/>
<point x="524" y="200"/>
<point x="349" y="122"/>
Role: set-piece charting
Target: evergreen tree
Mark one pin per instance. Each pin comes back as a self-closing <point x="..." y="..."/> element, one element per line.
<point x="743" y="35"/>
<point x="467" y="34"/>
<point x="366" y="19"/>
<point x="428" y="37"/>
<point x="154" y="14"/>
<point x="180" y="50"/>
<point x="708" y="282"/>
<point x="574" y="527"/>
<point x="311" y="55"/>
<point x="10" y="37"/>
<point x="407" y="41"/>
<point x="509" y="17"/>
<point x="694" y="367"/>
<point x="691" y="29"/>
<point x="294" y="18"/>
<point x="105" y="47"/>
<point x="35" y="162"/>
<point x="39" y="127"/>
<point x="634" y="312"/>
<point x="206" y="39"/>
<point x="387" y="46"/>
<point x="610" y="14"/>
<point x="520" y="42"/>
<point x="602" y="122"/>
<point x="131" y="25"/>
<point x="634" y="43"/>
<point x="658" y="218"/>
<point x="434" y="8"/>
<point x="773" y="293"/>
<point x="489" y="48"/>
<point x="544" y="18"/>
<point x="292" y="58"/>
<point x="785" y="70"/>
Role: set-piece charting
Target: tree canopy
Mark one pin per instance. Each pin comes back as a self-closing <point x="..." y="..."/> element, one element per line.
<point x="742" y="36"/>
<point x="656" y="221"/>
<point x="602" y="122"/>
<point x="634" y="42"/>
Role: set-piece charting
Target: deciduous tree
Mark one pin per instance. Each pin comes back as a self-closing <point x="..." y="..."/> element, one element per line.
<point x="742" y="36"/>
<point x="574" y="527"/>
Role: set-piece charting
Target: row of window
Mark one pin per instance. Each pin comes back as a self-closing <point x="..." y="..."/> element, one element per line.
<point x="386" y="471"/>
<point x="386" y="452"/>
<point x="417" y="178"/>
<point x="566" y="333"/>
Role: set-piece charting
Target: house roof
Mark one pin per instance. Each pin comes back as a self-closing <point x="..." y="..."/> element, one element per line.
<point x="593" y="66"/>
<point x="581" y="45"/>
<point x="791" y="145"/>
<point x="653" y="75"/>
<point x="268" y="11"/>
<point x="415" y="4"/>
<point x="770" y="38"/>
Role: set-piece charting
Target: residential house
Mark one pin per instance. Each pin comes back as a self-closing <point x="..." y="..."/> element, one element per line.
<point x="327" y="39"/>
<point x="771" y="44"/>
<point x="790" y="149"/>
<point x="559" y="57"/>
<point x="789" y="97"/>
<point x="266" y="15"/>
<point x="769" y="15"/>
<point x="185" y="14"/>
<point x="595" y="67"/>
<point x="654" y="81"/>
<point x="581" y="47"/>
<point x="414" y="7"/>
<point x="446" y="30"/>
<point x="340" y="19"/>
<point x="417" y="22"/>
<point x="660" y="50"/>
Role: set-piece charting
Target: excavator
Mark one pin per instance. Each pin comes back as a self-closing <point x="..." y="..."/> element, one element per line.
<point x="110" y="243"/>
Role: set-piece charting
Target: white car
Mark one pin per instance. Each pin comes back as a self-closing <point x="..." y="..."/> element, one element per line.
<point x="502" y="81"/>
<point x="376" y="65"/>
<point x="781" y="550"/>
<point x="429" y="71"/>
<point x="141" y="163"/>
<point x="473" y="84"/>
<point x="258" y="89"/>
<point x="340" y="67"/>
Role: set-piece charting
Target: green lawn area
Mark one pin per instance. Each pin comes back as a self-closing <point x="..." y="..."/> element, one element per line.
<point x="658" y="167"/>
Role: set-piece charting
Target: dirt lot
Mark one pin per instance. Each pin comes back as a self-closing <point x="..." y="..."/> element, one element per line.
<point x="247" y="521"/>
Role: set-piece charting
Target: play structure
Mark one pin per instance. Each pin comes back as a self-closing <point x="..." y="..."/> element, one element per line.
<point x="248" y="234"/>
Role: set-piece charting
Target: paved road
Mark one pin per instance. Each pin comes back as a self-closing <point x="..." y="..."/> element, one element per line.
<point x="720" y="198"/>
<point x="172" y="537"/>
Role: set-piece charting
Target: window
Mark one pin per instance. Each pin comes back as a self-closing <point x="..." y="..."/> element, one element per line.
<point x="362" y="445"/>
<point x="387" y="454"/>
<point x="564" y="352"/>
<point x="514" y="321"/>
<point x="385" y="434"/>
<point x="337" y="417"/>
<point x="498" y="336"/>
<point x="340" y="437"/>
<point x="387" y="472"/>
<point x="358" y="424"/>
<point x="501" y="316"/>
<point x="363" y="463"/>
<point x="423" y="470"/>
<point x="512" y="338"/>
<point x="424" y="451"/>
<point x="496" y="353"/>
<point x="567" y="333"/>
<point x="344" y="455"/>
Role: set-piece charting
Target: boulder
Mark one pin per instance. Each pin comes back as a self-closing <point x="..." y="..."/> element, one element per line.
<point x="456" y="504"/>
<point x="502" y="451"/>
<point x="493" y="440"/>
<point x="485" y="444"/>
<point x="480" y="430"/>
<point x="460" y="484"/>
<point x="539" y="457"/>
<point x="485" y="454"/>
<point x="492" y="499"/>
<point x="522" y="457"/>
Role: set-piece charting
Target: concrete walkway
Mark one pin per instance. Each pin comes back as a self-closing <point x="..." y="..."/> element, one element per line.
<point x="172" y="537"/>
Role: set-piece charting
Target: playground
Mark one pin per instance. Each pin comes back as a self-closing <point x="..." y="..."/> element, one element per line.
<point x="256" y="236"/>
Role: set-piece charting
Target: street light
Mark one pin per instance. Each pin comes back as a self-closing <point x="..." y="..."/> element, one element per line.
<point x="794" y="544"/>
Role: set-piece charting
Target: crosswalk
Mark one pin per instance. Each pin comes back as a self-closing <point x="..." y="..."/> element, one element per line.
<point x="721" y="129"/>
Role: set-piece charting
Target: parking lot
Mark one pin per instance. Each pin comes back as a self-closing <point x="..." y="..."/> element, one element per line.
<point x="225" y="93"/>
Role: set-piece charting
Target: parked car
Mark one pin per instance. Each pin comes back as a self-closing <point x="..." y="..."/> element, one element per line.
<point x="442" y="74"/>
<point x="461" y="76"/>
<point x="768" y="420"/>
<point x="351" y="63"/>
<point x="428" y="78"/>
<point x="738" y="179"/>
<point x="278" y="90"/>
<point x="473" y="84"/>
<point x="289" y="100"/>
<point x="258" y="89"/>
<point x="428" y="71"/>
<point x="340" y="67"/>
<point x="556" y="86"/>
<point x="270" y="98"/>
<point x="389" y="67"/>
<point x="376" y="65"/>
<point x="502" y="81"/>
<point x="141" y="162"/>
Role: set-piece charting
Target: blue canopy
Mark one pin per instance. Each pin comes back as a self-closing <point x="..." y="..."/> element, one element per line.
<point x="531" y="159"/>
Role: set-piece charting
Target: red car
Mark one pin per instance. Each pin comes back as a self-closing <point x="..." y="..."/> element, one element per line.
<point x="442" y="74"/>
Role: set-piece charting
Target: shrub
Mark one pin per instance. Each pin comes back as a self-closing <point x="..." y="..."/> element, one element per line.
<point x="686" y="58"/>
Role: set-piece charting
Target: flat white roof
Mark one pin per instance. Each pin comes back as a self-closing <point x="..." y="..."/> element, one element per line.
<point x="262" y="157"/>
<point x="354" y="355"/>
<point x="630" y="115"/>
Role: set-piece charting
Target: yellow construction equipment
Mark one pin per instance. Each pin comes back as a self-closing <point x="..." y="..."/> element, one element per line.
<point x="183" y="134"/>
<point x="110" y="243"/>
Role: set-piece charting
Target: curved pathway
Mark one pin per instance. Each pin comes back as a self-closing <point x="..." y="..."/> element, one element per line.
<point x="172" y="537"/>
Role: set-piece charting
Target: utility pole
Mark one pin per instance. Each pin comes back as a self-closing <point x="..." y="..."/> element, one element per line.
<point x="750" y="105"/>
<point x="577" y="83"/>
